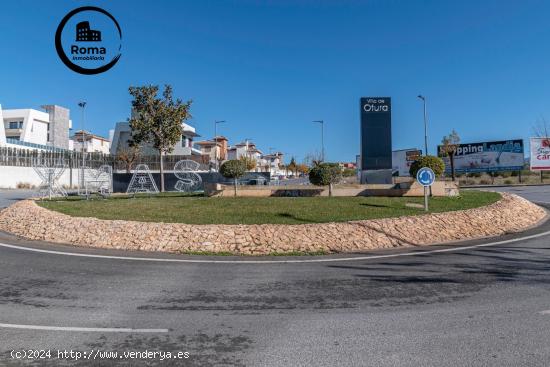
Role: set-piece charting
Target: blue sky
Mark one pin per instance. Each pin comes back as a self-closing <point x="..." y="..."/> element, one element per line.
<point x="271" y="67"/>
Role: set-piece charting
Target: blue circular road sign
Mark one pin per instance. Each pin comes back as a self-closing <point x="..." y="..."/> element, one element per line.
<point x="425" y="176"/>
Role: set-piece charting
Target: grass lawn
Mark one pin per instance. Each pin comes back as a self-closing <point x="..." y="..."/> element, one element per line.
<point x="203" y="210"/>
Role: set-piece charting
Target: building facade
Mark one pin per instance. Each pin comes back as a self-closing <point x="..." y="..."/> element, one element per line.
<point x="122" y="135"/>
<point x="216" y="150"/>
<point x="48" y="129"/>
<point x="90" y="143"/>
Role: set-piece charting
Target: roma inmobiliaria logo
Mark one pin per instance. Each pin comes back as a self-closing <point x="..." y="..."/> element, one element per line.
<point x="88" y="40"/>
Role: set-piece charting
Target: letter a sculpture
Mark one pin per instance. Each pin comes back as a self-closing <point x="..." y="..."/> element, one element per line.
<point x="142" y="181"/>
<point x="188" y="179"/>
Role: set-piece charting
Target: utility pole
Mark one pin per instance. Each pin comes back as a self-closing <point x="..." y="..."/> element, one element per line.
<point x="425" y="125"/>
<point x="322" y="122"/>
<point x="216" y="142"/>
<point x="82" y="105"/>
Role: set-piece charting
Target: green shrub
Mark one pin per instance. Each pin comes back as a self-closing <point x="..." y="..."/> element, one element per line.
<point x="234" y="169"/>
<point x="348" y="172"/>
<point x="466" y="182"/>
<point x="485" y="181"/>
<point x="430" y="161"/>
<point x="325" y="174"/>
<point x="508" y="181"/>
<point x="474" y="174"/>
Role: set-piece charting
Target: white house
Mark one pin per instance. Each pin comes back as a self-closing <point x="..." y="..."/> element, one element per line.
<point x="90" y="142"/>
<point x="32" y="128"/>
<point x="264" y="162"/>
<point x="244" y="149"/>
<point x="274" y="161"/>
<point x="122" y="135"/>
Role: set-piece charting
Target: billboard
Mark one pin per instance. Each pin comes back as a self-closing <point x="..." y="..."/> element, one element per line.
<point x="402" y="160"/>
<point x="489" y="156"/>
<point x="540" y="153"/>
<point x="375" y="133"/>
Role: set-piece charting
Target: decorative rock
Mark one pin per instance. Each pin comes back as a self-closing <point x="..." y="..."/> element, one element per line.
<point x="510" y="214"/>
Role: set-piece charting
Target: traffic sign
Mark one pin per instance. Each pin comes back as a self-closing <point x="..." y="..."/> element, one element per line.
<point x="425" y="176"/>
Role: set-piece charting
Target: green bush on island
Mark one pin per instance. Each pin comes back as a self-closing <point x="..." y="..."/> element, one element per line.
<point x="234" y="169"/>
<point x="325" y="174"/>
<point x="435" y="163"/>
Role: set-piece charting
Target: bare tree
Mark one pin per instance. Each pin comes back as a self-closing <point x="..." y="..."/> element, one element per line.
<point x="542" y="128"/>
<point x="313" y="159"/>
<point x="129" y="156"/>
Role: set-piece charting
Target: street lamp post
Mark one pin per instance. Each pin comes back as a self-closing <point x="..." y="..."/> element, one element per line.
<point x="425" y="125"/>
<point x="82" y="105"/>
<point x="216" y="141"/>
<point x="322" y="122"/>
<point x="270" y="157"/>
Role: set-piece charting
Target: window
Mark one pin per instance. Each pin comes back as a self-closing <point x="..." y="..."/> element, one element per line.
<point x="16" y="125"/>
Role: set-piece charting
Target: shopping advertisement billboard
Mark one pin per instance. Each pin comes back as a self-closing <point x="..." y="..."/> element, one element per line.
<point x="540" y="154"/>
<point x="489" y="156"/>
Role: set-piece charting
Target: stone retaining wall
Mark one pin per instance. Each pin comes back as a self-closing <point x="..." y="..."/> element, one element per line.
<point x="510" y="214"/>
<point x="439" y="188"/>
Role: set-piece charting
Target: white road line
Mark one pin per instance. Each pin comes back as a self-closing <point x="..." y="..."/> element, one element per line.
<point x="82" y="329"/>
<point x="545" y="312"/>
<point x="321" y="260"/>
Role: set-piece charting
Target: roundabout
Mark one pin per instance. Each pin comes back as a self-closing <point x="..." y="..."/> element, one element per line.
<point x="481" y="302"/>
<point x="508" y="214"/>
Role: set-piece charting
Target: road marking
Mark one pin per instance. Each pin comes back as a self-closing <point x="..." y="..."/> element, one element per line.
<point x="321" y="260"/>
<point x="82" y="329"/>
<point x="545" y="312"/>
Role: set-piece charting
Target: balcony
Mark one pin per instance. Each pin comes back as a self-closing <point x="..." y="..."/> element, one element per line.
<point x="13" y="133"/>
<point x="33" y="145"/>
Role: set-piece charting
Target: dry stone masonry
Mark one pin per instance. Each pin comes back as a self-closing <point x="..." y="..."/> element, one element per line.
<point x="510" y="214"/>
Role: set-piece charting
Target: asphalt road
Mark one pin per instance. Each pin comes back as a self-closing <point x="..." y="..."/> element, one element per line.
<point x="8" y="197"/>
<point x="534" y="193"/>
<point x="479" y="306"/>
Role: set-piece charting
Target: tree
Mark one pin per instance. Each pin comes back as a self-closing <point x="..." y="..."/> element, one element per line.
<point x="325" y="174"/>
<point x="292" y="166"/>
<point x="302" y="168"/>
<point x="313" y="159"/>
<point x="449" y="146"/>
<point x="157" y="121"/>
<point x="541" y="129"/>
<point x="348" y="172"/>
<point x="249" y="162"/>
<point x="234" y="169"/>
<point x="430" y="161"/>
<point x="128" y="156"/>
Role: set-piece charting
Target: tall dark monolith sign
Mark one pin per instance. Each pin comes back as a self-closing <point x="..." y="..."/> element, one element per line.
<point x="376" y="164"/>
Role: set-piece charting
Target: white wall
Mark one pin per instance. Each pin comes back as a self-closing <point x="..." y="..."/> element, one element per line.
<point x="2" y="131"/>
<point x="10" y="176"/>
